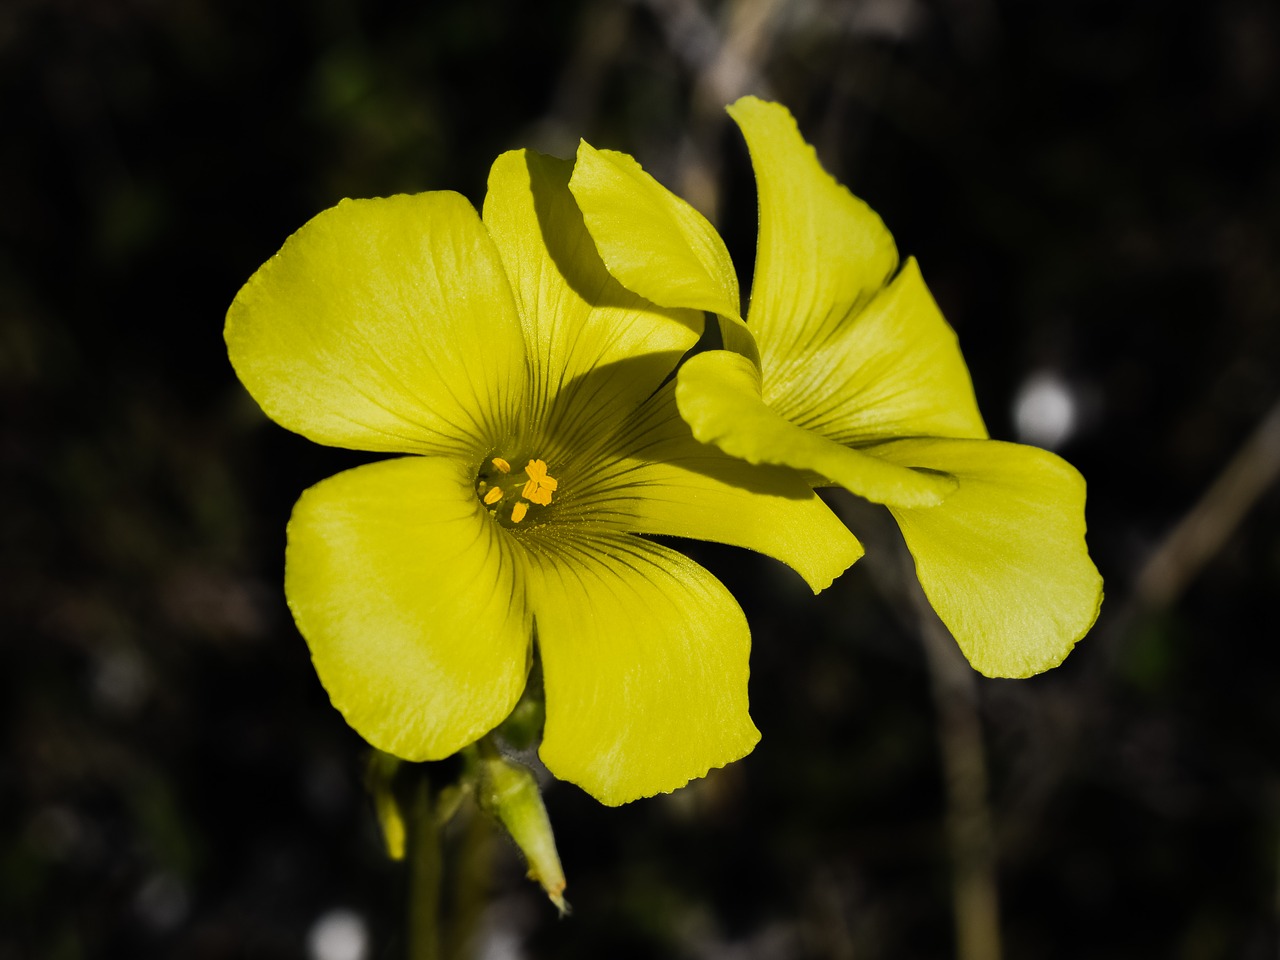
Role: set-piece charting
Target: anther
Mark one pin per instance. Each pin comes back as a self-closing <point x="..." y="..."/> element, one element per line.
<point x="539" y="487"/>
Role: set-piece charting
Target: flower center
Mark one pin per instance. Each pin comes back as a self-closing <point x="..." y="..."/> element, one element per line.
<point x="508" y="495"/>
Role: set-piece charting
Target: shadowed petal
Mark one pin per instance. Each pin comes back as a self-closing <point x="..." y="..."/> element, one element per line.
<point x="644" y="657"/>
<point x="651" y="240"/>
<point x="719" y="396"/>
<point x="671" y="484"/>
<point x="384" y="325"/>
<point x="1003" y="559"/>
<point x="576" y="316"/>
<point x="409" y="597"/>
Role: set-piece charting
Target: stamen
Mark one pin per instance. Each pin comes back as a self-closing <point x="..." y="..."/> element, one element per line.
<point x="540" y="486"/>
<point x="498" y="486"/>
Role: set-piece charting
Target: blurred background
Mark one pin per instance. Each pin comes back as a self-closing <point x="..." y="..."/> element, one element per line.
<point x="1093" y="191"/>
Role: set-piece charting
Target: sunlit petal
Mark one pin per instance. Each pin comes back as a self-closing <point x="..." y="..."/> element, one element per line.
<point x="384" y="325"/>
<point x="645" y="663"/>
<point x="1003" y="559"/>
<point x="651" y="240"/>
<point x="822" y="253"/>
<point x="894" y="370"/>
<point x="409" y="596"/>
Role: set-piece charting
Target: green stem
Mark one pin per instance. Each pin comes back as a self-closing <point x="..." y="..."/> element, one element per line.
<point x="470" y="883"/>
<point x="425" y="868"/>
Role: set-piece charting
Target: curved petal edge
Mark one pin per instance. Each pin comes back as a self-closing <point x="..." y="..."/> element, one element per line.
<point x="1003" y="560"/>
<point x="412" y="603"/>
<point x="653" y="242"/>
<point x="645" y="661"/>
<point x="719" y="396"/>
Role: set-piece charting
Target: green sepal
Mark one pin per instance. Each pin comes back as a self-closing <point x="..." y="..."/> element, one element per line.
<point x="509" y="792"/>
<point x="379" y="780"/>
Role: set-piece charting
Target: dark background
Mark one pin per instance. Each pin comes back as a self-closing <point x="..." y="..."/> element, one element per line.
<point x="1093" y="190"/>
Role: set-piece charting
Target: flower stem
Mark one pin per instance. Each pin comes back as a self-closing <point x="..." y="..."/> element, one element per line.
<point x="973" y="852"/>
<point x="425" y="868"/>
<point x="470" y="885"/>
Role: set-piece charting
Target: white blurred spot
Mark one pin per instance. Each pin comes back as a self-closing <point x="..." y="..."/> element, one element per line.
<point x="1044" y="411"/>
<point x="502" y="931"/>
<point x="338" y="935"/>
<point x="121" y="682"/>
<point x="162" y="902"/>
<point x="501" y="945"/>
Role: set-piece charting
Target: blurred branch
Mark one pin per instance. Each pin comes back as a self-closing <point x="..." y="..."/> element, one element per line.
<point x="725" y="62"/>
<point x="601" y="36"/>
<point x="1208" y="525"/>
<point x="1081" y="716"/>
<point x="425" y="869"/>
<point x="736" y="67"/>
<point x="954" y="685"/>
<point x="973" y="859"/>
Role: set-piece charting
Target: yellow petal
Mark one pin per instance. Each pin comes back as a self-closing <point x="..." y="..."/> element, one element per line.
<point x="576" y="317"/>
<point x="893" y="370"/>
<point x="822" y="253"/>
<point x="384" y="325"/>
<point x="1003" y="559"/>
<point x="408" y="596"/>
<point x="652" y="241"/>
<point x="684" y="488"/>
<point x="719" y="396"/>
<point x="644" y="656"/>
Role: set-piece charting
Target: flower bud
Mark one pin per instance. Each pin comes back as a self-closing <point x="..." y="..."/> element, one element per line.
<point x="509" y="791"/>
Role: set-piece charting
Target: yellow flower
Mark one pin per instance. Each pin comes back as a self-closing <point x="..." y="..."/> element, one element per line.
<point x="846" y="370"/>
<point x="533" y="394"/>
